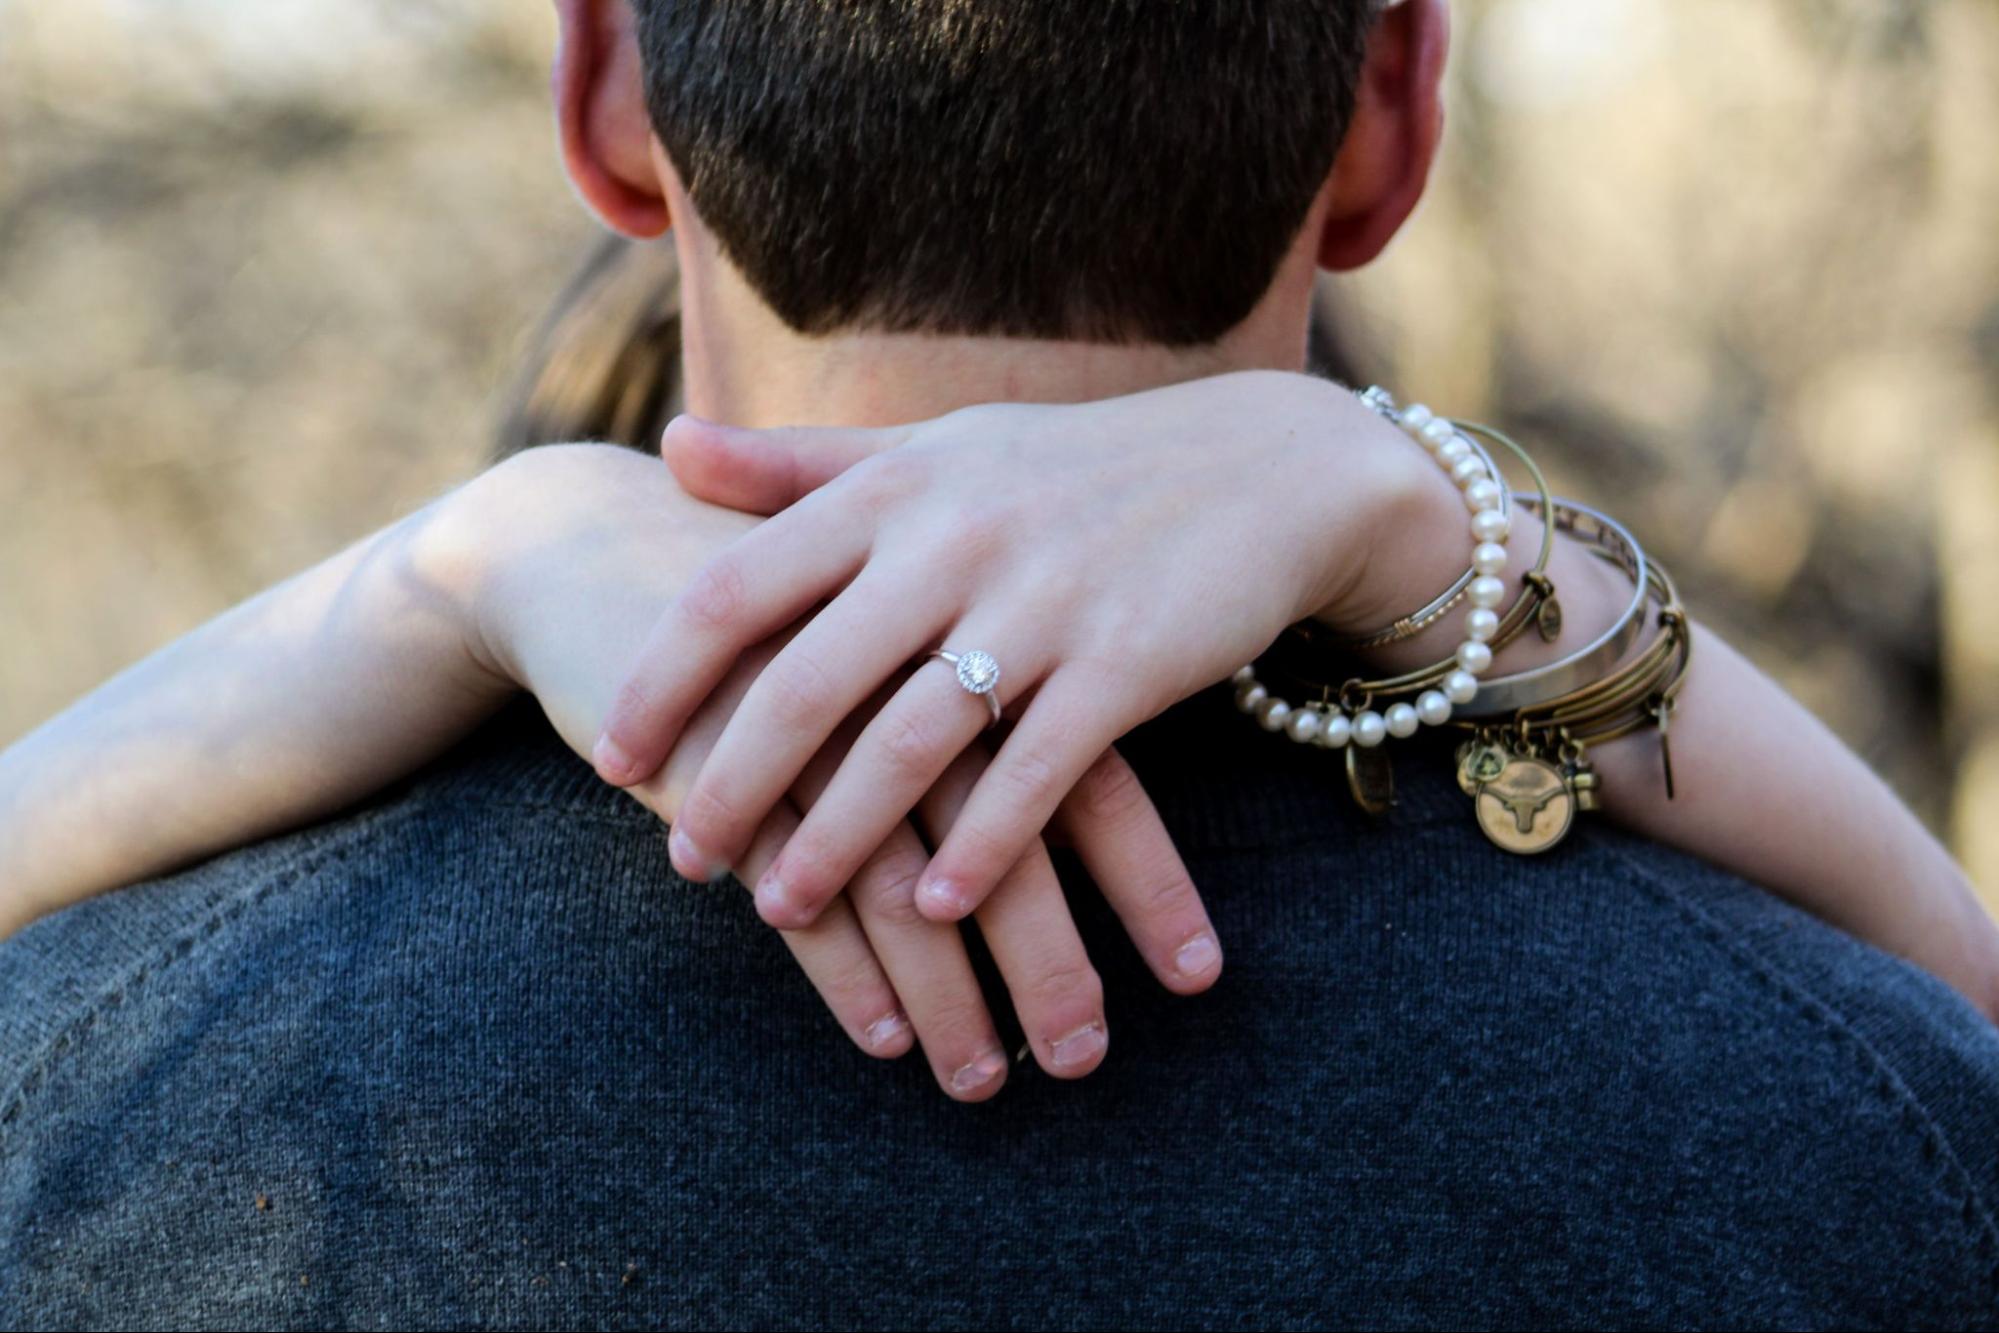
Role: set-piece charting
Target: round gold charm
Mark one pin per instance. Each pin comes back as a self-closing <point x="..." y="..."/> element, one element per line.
<point x="1479" y="762"/>
<point x="1527" y="808"/>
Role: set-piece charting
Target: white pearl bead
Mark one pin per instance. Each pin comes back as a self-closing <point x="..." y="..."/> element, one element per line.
<point x="1303" y="726"/>
<point x="1401" y="720"/>
<point x="1490" y="524"/>
<point x="1433" y="708"/>
<point x="1482" y="494"/>
<point x="1488" y="558"/>
<point x="1244" y="675"/>
<point x="1474" y="656"/>
<point x="1336" y="731"/>
<point x="1369" y="729"/>
<point x="1416" y="416"/>
<point x="1460" y="686"/>
<point x="1469" y="472"/>
<point x="1486" y="591"/>
<point x="1437" y="432"/>
<point x="1251" y="699"/>
<point x="1273" y="713"/>
<point x="1453" y="451"/>
<point x="1482" y="624"/>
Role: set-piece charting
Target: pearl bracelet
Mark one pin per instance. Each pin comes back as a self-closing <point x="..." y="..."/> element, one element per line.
<point x="1420" y="420"/>
<point x="1472" y="470"/>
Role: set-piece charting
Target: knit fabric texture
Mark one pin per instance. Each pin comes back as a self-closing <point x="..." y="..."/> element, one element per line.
<point x="473" y="1056"/>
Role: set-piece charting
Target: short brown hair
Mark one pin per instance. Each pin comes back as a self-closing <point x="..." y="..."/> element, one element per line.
<point x="1101" y="170"/>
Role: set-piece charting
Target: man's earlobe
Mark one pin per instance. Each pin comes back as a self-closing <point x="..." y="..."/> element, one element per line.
<point x="1391" y="141"/>
<point x="600" y="112"/>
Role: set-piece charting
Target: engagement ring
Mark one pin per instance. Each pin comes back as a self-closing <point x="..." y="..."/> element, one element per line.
<point x="978" y="672"/>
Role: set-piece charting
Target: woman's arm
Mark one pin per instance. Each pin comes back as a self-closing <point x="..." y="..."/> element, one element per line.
<point x="1170" y="535"/>
<point x="280" y="711"/>
<point x="1762" y="787"/>
<point x="545" y="574"/>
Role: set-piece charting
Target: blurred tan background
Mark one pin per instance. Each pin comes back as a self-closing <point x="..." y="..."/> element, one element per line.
<point x="1731" y="265"/>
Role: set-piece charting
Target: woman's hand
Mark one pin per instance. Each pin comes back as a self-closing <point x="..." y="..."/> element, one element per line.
<point x="1114" y="557"/>
<point x="596" y="542"/>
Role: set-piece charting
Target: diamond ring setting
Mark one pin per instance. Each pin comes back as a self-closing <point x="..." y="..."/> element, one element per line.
<point x="978" y="673"/>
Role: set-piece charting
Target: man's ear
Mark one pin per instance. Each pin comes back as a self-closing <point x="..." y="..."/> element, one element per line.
<point x="1397" y="119"/>
<point x="600" y="111"/>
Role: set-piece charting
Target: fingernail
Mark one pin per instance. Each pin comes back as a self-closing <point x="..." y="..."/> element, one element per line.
<point x="979" y="1073"/>
<point x="1197" y="956"/>
<point x="886" y="1029"/>
<point x="944" y="894"/>
<point x="773" y="898"/>
<point x="1080" y="1047"/>
<point x="611" y="760"/>
<point x="689" y="859"/>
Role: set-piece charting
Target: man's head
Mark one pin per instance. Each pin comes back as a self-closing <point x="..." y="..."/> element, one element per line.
<point x="1122" y="171"/>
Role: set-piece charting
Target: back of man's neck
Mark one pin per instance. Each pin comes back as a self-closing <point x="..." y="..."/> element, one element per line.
<point x="746" y="367"/>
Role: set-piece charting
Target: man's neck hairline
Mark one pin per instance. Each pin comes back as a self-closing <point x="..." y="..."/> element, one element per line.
<point x="744" y="366"/>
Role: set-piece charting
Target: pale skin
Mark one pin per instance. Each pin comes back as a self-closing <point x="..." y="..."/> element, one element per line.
<point x="1763" y="788"/>
<point x="544" y="574"/>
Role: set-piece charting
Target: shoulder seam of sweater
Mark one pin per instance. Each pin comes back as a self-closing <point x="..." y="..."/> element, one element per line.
<point x="1886" y="1082"/>
<point x="73" y="1034"/>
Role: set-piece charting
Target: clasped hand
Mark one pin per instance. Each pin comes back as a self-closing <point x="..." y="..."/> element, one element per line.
<point x="1113" y="557"/>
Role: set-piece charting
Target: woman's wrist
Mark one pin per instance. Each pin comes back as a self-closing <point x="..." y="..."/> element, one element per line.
<point x="1415" y="547"/>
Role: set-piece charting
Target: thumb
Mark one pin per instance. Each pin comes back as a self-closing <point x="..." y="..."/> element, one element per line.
<point x="763" y="471"/>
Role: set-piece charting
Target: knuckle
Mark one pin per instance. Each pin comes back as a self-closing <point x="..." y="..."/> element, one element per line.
<point x="1166" y="895"/>
<point x="711" y="818"/>
<point x="797" y="690"/>
<point x="888" y="888"/>
<point x="910" y="743"/>
<point x="977" y="858"/>
<point x="853" y="987"/>
<point x="975" y="536"/>
<point x="632" y="709"/>
<point x="887" y="477"/>
<point x="1066" y="983"/>
<point x="715" y="596"/>
<point x="1109" y="791"/>
<point x="1028" y="778"/>
<point x="957" y="1015"/>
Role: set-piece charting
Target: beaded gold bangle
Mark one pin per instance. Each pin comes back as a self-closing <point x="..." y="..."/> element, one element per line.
<point x="1526" y="764"/>
<point x="1529" y="776"/>
<point x="1453" y="447"/>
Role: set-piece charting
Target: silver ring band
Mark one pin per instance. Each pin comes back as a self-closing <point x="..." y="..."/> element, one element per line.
<point x="978" y="673"/>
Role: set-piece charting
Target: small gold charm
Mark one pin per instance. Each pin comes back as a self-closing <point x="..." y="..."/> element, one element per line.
<point x="1371" y="778"/>
<point x="1663" y="710"/>
<point x="1584" y="785"/>
<point x="1548" y="619"/>
<point x="1479" y="762"/>
<point x="1527" y="808"/>
<point x="1580" y="774"/>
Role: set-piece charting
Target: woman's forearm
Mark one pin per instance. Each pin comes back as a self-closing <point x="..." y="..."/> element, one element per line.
<point x="1762" y="787"/>
<point x="284" y="709"/>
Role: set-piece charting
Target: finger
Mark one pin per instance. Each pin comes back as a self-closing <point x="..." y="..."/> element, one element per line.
<point x="1057" y="994"/>
<point x="838" y="959"/>
<point x="901" y="753"/>
<point x="830" y="667"/>
<point x="1117" y="831"/>
<point x="762" y="582"/>
<point x="1048" y="752"/>
<point x="764" y="471"/>
<point x="834" y="953"/>
<point x="925" y="961"/>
